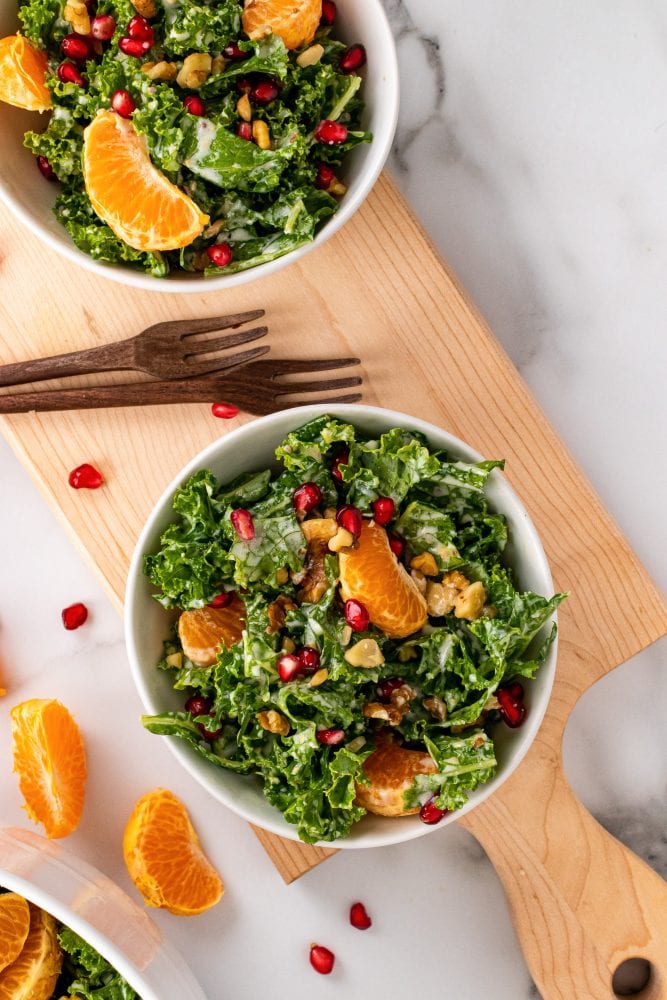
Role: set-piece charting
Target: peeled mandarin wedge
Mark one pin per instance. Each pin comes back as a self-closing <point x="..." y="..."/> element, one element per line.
<point x="14" y="926"/>
<point x="164" y="857"/>
<point x="391" y="770"/>
<point x="33" y="975"/>
<point x="22" y="73"/>
<point x="371" y="573"/>
<point x="50" y="760"/>
<point x="295" y="21"/>
<point x="142" y="207"/>
<point x="203" y="630"/>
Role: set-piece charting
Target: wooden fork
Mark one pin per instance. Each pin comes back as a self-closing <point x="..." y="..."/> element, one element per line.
<point x="257" y="388"/>
<point x="165" y="350"/>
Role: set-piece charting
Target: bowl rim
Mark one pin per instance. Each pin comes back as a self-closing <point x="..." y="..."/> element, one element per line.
<point x="78" y="872"/>
<point x="243" y="436"/>
<point x="124" y="275"/>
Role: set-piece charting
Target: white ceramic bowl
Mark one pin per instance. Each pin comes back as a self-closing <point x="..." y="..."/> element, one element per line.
<point x="147" y="625"/>
<point x="24" y="190"/>
<point x="95" y="908"/>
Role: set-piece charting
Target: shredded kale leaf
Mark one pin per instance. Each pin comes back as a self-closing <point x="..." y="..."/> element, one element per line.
<point x="87" y="975"/>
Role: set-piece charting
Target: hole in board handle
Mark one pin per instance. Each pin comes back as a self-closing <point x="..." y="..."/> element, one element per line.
<point x="632" y="977"/>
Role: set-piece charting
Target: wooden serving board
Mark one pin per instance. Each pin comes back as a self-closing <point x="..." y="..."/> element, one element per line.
<point x="581" y="902"/>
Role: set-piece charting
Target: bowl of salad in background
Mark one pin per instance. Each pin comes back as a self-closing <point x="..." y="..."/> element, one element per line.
<point x="104" y="943"/>
<point x="263" y="182"/>
<point x="416" y="462"/>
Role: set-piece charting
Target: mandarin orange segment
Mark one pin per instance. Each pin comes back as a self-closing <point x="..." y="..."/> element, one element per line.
<point x="22" y="74"/>
<point x="371" y="573"/>
<point x="50" y="759"/>
<point x="295" y="21"/>
<point x="164" y="857"/>
<point x="33" y="975"/>
<point x="142" y="207"/>
<point x="204" y="630"/>
<point x="391" y="770"/>
<point x="14" y="926"/>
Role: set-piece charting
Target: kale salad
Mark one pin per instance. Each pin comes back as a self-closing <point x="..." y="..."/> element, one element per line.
<point x="254" y="130"/>
<point x="86" y="975"/>
<point x="355" y="594"/>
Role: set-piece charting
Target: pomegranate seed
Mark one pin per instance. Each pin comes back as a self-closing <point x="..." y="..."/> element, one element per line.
<point x="221" y="600"/>
<point x="306" y="497"/>
<point x="209" y="734"/>
<point x="350" y="518"/>
<point x="244" y="131"/>
<point x="123" y="104"/>
<point x="383" y="510"/>
<point x="74" y="616"/>
<point x="75" y="47"/>
<point x="330" y="133"/>
<point x="359" y="917"/>
<point x="194" y="105"/>
<point x="321" y="959"/>
<point x="289" y="667"/>
<point x="386" y="688"/>
<point x="138" y="27"/>
<point x="328" y="12"/>
<point x="226" y="411"/>
<point x="197" y="705"/>
<point x="232" y="51"/>
<point x="45" y="169"/>
<point x="515" y="689"/>
<point x="68" y="73"/>
<point x="330" y="737"/>
<point x="309" y="659"/>
<point x="512" y="709"/>
<point x="353" y="59"/>
<point x="356" y="616"/>
<point x="220" y="254"/>
<point x="325" y="176"/>
<point x="131" y="47"/>
<point x="85" y="477"/>
<point x="430" y="814"/>
<point x="243" y="524"/>
<point x="397" y="545"/>
<point x="342" y="458"/>
<point x="103" y="27"/>
<point x="264" y="92"/>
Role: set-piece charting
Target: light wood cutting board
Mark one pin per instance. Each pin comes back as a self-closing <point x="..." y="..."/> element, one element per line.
<point x="581" y="901"/>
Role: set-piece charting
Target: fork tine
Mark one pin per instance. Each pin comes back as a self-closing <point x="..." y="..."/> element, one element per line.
<point x="287" y="366"/>
<point x="352" y="397"/>
<point x="231" y="361"/>
<point x="294" y="388"/>
<point x="206" y="324"/>
<point x="198" y="347"/>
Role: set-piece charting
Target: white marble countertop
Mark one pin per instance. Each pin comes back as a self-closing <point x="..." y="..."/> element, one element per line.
<point x="532" y="144"/>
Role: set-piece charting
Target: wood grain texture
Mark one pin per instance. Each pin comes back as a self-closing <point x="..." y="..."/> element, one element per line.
<point x="426" y="351"/>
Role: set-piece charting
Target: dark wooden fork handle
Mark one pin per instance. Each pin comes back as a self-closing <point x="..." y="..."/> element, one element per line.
<point x="135" y="394"/>
<point x="107" y="357"/>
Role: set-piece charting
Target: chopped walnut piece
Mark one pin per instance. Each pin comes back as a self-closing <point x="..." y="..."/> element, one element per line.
<point x="277" y="612"/>
<point x="436" y="707"/>
<point x="195" y="71"/>
<point x="160" y="70"/>
<point x="319" y="677"/>
<point x="456" y="579"/>
<point x="470" y="602"/>
<point x="147" y="8"/>
<point x="365" y="653"/>
<point x="426" y="563"/>
<point x="273" y="722"/>
<point x="76" y="14"/>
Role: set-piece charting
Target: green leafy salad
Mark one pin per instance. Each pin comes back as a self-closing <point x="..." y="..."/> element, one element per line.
<point x="317" y="674"/>
<point x="86" y="975"/>
<point x="254" y="133"/>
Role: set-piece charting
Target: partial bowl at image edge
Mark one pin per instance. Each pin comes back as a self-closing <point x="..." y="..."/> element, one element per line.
<point x="23" y="190"/>
<point x="250" y="448"/>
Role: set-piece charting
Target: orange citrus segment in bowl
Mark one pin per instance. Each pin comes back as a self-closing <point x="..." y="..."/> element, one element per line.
<point x="50" y="759"/>
<point x="14" y="926"/>
<point x="295" y="21"/>
<point x="33" y="975"/>
<point x="164" y="857"/>
<point x="203" y="630"/>
<point x="22" y="73"/>
<point x="142" y="207"/>
<point x="371" y="573"/>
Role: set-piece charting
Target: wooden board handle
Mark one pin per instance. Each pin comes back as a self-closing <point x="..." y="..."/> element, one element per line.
<point x="581" y="902"/>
